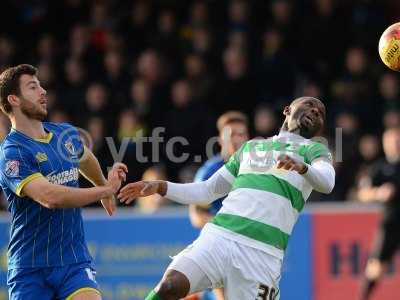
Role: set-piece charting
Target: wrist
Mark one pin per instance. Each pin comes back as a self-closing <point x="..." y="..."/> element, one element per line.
<point x="162" y="188"/>
<point x="303" y="170"/>
<point x="108" y="190"/>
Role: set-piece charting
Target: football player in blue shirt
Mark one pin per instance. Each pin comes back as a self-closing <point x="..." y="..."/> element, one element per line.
<point x="39" y="168"/>
<point x="233" y="132"/>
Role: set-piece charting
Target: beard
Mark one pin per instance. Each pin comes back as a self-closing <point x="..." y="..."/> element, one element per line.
<point x="32" y="111"/>
<point x="307" y="131"/>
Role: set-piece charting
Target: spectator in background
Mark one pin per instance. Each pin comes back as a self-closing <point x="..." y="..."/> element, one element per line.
<point x="96" y="98"/>
<point x="140" y="96"/>
<point x="135" y="27"/>
<point x="346" y="170"/>
<point x="238" y="39"/>
<point x="201" y="82"/>
<point x="276" y="74"/>
<point x="128" y="146"/>
<point x="238" y="15"/>
<point x="7" y="52"/>
<point x="72" y="93"/>
<point x="383" y="187"/>
<point x="151" y="68"/>
<point x="186" y="119"/>
<point x="47" y="75"/>
<point x="79" y="41"/>
<point x="282" y="19"/>
<point x="391" y="119"/>
<point x="130" y="126"/>
<point x="237" y="90"/>
<point x="46" y="50"/>
<point x="354" y="86"/>
<point x="320" y="23"/>
<point x="151" y="204"/>
<point x="96" y="130"/>
<point x="388" y="93"/>
<point x="59" y="116"/>
<point x="166" y="39"/>
<point x="369" y="150"/>
<point x="115" y="77"/>
<point x="198" y="17"/>
<point x="233" y="132"/>
<point x="202" y="43"/>
<point x="265" y="121"/>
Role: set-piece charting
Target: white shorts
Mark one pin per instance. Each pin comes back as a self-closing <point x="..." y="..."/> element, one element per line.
<point x="244" y="272"/>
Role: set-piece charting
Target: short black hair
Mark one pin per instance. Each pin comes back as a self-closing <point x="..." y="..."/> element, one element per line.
<point x="9" y="83"/>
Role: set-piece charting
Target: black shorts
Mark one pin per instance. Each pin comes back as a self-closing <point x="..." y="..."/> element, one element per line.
<point x="387" y="241"/>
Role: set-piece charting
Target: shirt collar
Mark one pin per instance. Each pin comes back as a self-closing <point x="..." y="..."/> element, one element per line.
<point x="290" y="135"/>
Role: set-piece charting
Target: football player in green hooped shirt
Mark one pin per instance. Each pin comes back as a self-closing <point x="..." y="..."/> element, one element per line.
<point x="267" y="183"/>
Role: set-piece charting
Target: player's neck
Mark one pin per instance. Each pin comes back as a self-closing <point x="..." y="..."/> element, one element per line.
<point x="294" y="131"/>
<point x="32" y="128"/>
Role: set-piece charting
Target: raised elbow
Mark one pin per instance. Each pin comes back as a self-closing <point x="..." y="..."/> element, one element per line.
<point x="326" y="189"/>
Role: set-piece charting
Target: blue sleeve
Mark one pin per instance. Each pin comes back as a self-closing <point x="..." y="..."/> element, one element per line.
<point x="201" y="174"/>
<point x="18" y="167"/>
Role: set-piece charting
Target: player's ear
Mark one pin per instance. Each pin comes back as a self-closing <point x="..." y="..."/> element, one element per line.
<point x="13" y="100"/>
<point x="286" y="110"/>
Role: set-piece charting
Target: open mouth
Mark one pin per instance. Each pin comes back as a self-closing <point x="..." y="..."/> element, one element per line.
<point x="43" y="102"/>
<point x="307" y="121"/>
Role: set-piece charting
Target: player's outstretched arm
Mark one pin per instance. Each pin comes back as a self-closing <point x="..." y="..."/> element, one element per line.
<point x="59" y="196"/>
<point x="90" y="168"/>
<point x="207" y="191"/>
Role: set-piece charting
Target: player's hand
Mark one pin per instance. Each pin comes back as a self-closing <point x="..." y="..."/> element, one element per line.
<point x="138" y="189"/>
<point x="116" y="176"/>
<point x="288" y="163"/>
<point x="385" y="192"/>
<point x="109" y="204"/>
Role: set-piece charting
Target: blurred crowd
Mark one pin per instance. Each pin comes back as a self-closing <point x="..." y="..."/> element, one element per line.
<point x="119" y="69"/>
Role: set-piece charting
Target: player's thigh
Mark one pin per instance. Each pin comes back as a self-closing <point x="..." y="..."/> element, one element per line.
<point x="240" y="286"/>
<point x="79" y="281"/>
<point x="254" y="274"/>
<point x="28" y="284"/>
<point x="192" y="277"/>
<point x="208" y="257"/>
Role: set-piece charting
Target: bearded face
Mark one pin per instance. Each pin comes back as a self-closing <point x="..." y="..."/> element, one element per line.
<point x="33" y="111"/>
<point x="33" y="102"/>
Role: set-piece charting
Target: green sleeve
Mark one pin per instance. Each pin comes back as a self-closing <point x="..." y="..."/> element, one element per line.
<point x="233" y="164"/>
<point x="317" y="150"/>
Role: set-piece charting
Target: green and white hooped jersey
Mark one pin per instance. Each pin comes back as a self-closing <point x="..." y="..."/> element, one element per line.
<point x="265" y="202"/>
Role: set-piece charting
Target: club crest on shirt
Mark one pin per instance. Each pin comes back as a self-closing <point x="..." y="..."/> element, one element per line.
<point x="70" y="147"/>
<point x="41" y="156"/>
<point x="12" y="168"/>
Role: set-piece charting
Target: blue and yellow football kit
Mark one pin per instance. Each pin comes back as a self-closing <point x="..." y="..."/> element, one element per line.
<point x="47" y="254"/>
<point x="206" y="171"/>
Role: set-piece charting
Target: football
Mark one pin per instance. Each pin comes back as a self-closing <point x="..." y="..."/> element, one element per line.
<point x="389" y="47"/>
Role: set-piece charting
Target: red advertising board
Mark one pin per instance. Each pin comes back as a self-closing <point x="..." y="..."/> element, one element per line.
<point x="342" y="243"/>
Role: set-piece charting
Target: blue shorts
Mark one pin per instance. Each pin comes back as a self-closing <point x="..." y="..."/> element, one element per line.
<point x="51" y="283"/>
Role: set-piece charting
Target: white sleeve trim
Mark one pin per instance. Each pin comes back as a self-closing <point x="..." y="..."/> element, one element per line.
<point x="226" y="174"/>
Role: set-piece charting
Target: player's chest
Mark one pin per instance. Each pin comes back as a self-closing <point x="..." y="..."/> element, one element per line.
<point x="58" y="162"/>
<point x="263" y="157"/>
